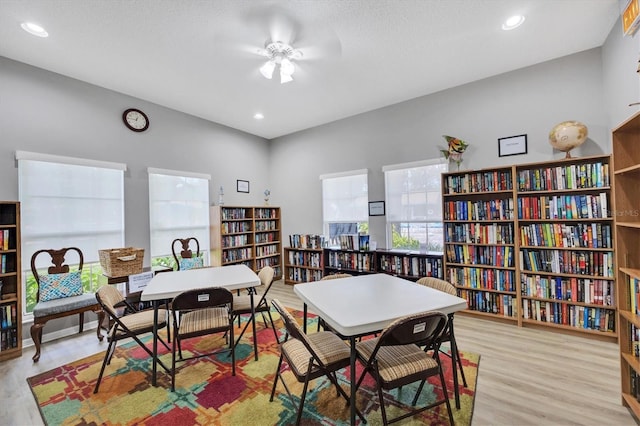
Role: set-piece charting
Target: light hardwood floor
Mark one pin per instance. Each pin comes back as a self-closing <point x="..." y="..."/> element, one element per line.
<point x="526" y="376"/>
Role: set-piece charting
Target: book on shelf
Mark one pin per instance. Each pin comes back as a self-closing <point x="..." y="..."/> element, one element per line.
<point x="307" y="241"/>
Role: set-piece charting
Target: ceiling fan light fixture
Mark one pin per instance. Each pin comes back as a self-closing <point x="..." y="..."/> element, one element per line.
<point x="285" y="78"/>
<point x="267" y="69"/>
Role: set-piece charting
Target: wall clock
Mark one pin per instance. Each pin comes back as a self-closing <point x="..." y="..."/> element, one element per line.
<point x="135" y="120"/>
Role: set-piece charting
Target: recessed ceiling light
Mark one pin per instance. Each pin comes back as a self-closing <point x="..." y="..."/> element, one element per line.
<point x="258" y="116"/>
<point x="513" y="22"/>
<point x="34" y="29"/>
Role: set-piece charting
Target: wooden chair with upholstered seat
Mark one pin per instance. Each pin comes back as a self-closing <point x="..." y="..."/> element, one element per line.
<point x="394" y="359"/>
<point x="448" y="334"/>
<point x="60" y="294"/>
<point x="184" y="255"/>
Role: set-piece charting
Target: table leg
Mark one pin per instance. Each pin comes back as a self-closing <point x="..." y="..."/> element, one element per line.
<point x="155" y="342"/>
<point x="352" y="397"/>
<point x="304" y="318"/>
<point x="253" y="325"/>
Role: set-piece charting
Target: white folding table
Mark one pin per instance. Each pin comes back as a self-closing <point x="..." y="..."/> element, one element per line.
<point x="366" y="304"/>
<point x="167" y="285"/>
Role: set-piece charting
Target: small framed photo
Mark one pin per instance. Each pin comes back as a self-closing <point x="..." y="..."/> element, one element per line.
<point x="376" y="208"/>
<point x="512" y="145"/>
<point x="242" y="186"/>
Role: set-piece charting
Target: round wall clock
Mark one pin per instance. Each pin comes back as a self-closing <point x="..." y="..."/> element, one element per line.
<point x="135" y="120"/>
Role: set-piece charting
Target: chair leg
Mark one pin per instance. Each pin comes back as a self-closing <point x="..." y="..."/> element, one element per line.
<point x="101" y="315"/>
<point x="173" y="364"/>
<point x="81" y="322"/>
<point x="36" y="336"/>
<point x="275" y="381"/>
<point x="304" y="394"/>
<point x="107" y="356"/>
<point x="446" y="397"/>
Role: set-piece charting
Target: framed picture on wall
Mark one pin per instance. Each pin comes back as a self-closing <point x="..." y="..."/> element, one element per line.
<point x="512" y="145"/>
<point x="376" y="208"/>
<point x="242" y="186"/>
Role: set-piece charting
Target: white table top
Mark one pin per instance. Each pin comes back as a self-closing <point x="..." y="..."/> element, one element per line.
<point x="167" y="285"/>
<point x="367" y="303"/>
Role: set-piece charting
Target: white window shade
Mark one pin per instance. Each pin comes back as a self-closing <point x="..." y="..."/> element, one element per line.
<point x="70" y="203"/>
<point x="413" y="193"/>
<point x="345" y="198"/>
<point x="178" y="208"/>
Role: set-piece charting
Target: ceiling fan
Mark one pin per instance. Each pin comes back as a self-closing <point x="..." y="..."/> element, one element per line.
<point x="283" y="41"/>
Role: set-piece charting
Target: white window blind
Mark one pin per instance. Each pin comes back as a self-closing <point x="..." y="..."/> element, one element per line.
<point x="178" y="208"/>
<point x="69" y="202"/>
<point x="414" y="203"/>
<point x="345" y="198"/>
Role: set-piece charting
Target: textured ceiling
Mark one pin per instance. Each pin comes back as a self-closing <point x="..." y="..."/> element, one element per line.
<point x="200" y="57"/>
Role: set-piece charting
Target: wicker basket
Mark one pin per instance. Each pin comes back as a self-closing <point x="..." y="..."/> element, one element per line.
<point x="121" y="262"/>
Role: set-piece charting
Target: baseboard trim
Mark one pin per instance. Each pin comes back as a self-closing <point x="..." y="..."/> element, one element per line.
<point x="57" y="334"/>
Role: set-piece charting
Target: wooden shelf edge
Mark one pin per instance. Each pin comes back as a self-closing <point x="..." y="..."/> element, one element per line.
<point x="489" y="290"/>
<point x="10" y="353"/>
<point x="632" y="404"/>
<point x="632" y="272"/>
<point x="631" y="169"/>
<point x="604" y="335"/>
<point x="569" y="302"/>
<point x="631" y="361"/>
<point x="635" y="225"/>
<point x="486" y="315"/>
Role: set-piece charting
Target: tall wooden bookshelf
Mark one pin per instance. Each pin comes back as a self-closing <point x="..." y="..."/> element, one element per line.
<point x="480" y="246"/>
<point x="532" y="244"/>
<point x="10" y="276"/>
<point x="246" y="235"/>
<point x="626" y="210"/>
<point x="566" y="245"/>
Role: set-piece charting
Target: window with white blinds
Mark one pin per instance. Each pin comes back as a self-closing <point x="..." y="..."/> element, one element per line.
<point x="68" y="202"/>
<point x="178" y="208"/>
<point x="345" y="198"/>
<point x="414" y="205"/>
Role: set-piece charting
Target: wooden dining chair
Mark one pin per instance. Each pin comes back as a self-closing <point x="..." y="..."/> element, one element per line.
<point x="60" y="294"/>
<point x="394" y="359"/>
<point x="184" y="254"/>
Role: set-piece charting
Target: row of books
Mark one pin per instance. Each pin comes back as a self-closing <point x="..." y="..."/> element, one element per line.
<point x="235" y="227"/>
<point x="274" y="262"/>
<point x="305" y="258"/>
<point x="635" y="384"/>
<point x="571" y="176"/>
<point x="411" y="266"/>
<point x="584" y="290"/>
<point x="228" y="213"/>
<point x="567" y="262"/>
<point x="483" y="278"/>
<point x="634" y="295"/>
<point x="267" y="225"/>
<point x="584" y="206"/>
<point x="634" y="336"/>
<point x="8" y="339"/>
<point x="353" y="261"/>
<point x="477" y="233"/>
<point x="266" y="237"/>
<point x="304" y="275"/>
<point x="500" y="209"/>
<point x="8" y="316"/>
<point x="581" y="235"/>
<point x="266" y="213"/>
<point x="501" y="256"/>
<point x="479" y="182"/>
<point x="235" y="240"/>
<point x="354" y="242"/>
<point x="233" y="255"/>
<point x="3" y="264"/>
<point x="268" y="250"/>
<point x="307" y="241"/>
<point x="491" y="303"/>
<point x="4" y="239"/>
<point x="570" y="315"/>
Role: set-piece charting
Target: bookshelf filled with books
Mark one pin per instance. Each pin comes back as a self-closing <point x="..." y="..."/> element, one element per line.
<point x="303" y="259"/>
<point x="10" y="281"/>
<point x="354" y="262"/>
<point x="566" y="241"/>
<point x="246" y="235"/>
<point x="532" y="244"/>
<point x="408" y="264"/>
<point x="626" y="211"/>
<point x="479" y="240"/>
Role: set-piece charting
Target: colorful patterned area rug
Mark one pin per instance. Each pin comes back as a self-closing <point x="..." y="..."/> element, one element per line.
<point x="206" y="392"/>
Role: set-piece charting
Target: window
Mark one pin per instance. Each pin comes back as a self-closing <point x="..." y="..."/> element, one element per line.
<point x="414" y="205"/>
<point x="178" y="208"/>
<point x="345" y="198"/>
<point x="68" y="202"/>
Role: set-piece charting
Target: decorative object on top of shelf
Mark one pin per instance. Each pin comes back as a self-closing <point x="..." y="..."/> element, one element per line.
<point x="221" y="196"/>
<point x="568" y="135"/>
<point x="456" y="147"/>
<point x="376" y="208"/>
<point x="512" y="145"/>
<point x="267" y="193"/>
<point x="242" y="186"/>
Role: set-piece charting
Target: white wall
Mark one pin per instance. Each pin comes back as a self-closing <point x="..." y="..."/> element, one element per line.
<point x="527" y="101"/>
